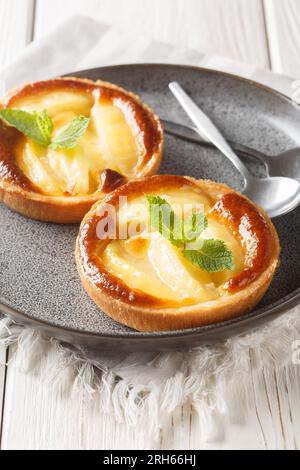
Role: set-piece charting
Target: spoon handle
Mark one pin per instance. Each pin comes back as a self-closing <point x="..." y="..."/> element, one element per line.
<point x="207" y="128"/>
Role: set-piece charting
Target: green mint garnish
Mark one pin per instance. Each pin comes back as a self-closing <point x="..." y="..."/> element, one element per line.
<point x="45" y="125"/>
<point x="39" y="128"/>
<point x="164" y="220"/>
<point x="210" y="255"/>
<point x="69" y="136"/>
<point x="194" y="226"/>
<point x="213" y="256"/>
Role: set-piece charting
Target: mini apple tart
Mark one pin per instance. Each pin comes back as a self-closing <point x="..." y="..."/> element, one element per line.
<point x="170" y="252"/>
<point x="66" y="142"/>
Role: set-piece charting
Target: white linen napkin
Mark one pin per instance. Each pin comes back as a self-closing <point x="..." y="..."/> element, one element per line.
<point x="146" y="386"/>
<point x="100" y="44"/>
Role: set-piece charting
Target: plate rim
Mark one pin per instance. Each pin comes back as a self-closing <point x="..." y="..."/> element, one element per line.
<point x="248" y="81"/>
<point x="281" y="306"/>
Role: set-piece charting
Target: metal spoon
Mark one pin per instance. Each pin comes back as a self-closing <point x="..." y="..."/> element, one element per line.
<point x="276" y="195"/>
<point x="284" y="164"/>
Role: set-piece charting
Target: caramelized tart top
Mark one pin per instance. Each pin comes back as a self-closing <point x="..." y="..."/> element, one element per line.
<point x="141" y="267"/>
<point x="121" y="142"/>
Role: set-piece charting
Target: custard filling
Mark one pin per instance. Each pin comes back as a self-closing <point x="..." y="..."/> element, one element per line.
<point x="110" y="142"/>
<point x="150" y="263"/>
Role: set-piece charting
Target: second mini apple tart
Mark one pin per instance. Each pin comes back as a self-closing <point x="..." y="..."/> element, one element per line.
<point x="66" y="142"/>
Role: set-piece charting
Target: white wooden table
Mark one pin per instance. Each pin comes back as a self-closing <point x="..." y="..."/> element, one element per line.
<point x="261" y="32"/>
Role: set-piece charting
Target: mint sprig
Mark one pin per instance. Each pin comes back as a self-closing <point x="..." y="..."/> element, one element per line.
<point x="211" y="255"/>
<point x="194" y="226"/>
<point x="69" y="136"/>
<point x="39" y="127"/>
<point x="164" y="220"/>
<point x="45" y="126"/>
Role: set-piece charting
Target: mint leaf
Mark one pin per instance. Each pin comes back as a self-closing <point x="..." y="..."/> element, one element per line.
<point x="213" y="256"/>
<point x="164" y="220"/>
<point x="194" y="226"/>
<point x="69" y="136"/>
<point x="45" y="125"/>
<point x="37" y="127"/>
<point x="210" y="255"/>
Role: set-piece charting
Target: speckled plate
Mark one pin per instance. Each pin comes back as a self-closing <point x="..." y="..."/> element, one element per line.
<point x="39" y="284"/>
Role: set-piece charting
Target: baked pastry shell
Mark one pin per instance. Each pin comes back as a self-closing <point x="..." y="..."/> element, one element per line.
<point x="67" y="210"/>
<point x="143" y="314"/>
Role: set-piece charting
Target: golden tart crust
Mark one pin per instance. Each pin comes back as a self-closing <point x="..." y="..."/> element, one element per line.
<point x="249" y="225"/>
<point x="22" y="195"/>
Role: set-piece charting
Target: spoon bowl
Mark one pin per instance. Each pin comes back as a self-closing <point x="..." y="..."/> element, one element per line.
<point x="285" y="164"/>
<point x="276" y="195"/>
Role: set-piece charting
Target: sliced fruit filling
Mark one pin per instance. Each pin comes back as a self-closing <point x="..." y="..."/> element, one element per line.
<point x="109" y="142"/>
<point x="150" y="263"/>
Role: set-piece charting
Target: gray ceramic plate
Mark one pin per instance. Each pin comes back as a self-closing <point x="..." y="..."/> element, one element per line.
<point x="39" y="284"/>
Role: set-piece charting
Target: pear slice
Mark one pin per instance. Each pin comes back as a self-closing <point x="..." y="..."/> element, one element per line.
<point x="116" y="140"/>
<point x="133" y="217"/>
<point x="58" y="101"/>
<point x="31" y="159"/>
<point x="71" y="168"/>
<point x="79" y="167"/>
<point x="135" y="271"/>
<point x="176" y="272"/>
<point x="186" y="201"/>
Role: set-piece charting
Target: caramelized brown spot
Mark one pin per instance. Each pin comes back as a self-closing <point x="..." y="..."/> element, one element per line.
<point x="110" y="180"/>
<point x="253" y="232"/>
<point x="9" y="170"/>
<point x="137" y="246"/>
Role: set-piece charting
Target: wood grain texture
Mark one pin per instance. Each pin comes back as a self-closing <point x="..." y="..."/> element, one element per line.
<point x="232" y="28"/>
<point x="283" y="28"/>
<point x="35" y="417"/>
<point x="16" y="25"/>
<point x="16" y="19"/>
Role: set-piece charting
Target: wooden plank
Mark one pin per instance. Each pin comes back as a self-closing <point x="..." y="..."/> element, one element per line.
<point x="232" y="28"/>
<point x="2" y="383"/>
<point x="283" y="28"/>
<point x="16" y="27"/>
<point x="45" y="420"/>
<point x="283" y="32"/>
<point x="37" y="418"/>
<point x="16" y="23"/>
